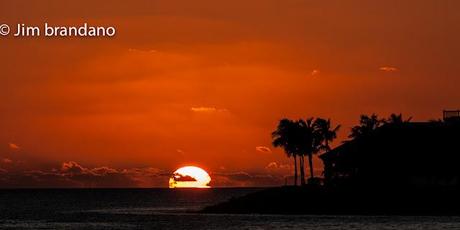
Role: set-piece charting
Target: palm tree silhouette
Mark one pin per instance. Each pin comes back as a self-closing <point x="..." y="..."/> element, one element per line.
<point x="286" y="137"/>
<point x="303" y="141"/>
<point x="397" y="119"/>
<point x="310" y="142"/>
<point x="326" y="132"/>
<point x="304" y="138"/>
<point x="367" y="124"/>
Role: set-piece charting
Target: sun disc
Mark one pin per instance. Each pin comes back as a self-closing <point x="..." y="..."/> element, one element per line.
<point x="190" y="177"/>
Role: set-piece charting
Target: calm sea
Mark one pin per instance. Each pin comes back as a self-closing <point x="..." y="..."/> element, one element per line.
<point x="170" y="209"/>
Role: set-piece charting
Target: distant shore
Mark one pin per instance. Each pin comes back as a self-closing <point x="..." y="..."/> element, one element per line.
<point x="345" y="201"/>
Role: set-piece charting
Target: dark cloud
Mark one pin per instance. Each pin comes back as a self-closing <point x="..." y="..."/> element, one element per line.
<point x="239" y="176"/>
<point x="7" y="161"/>
<point x="74" y="175"/>
<point x="183" y="178"/>
<point x="244" y="179"/>
<point x="71" y="174"/>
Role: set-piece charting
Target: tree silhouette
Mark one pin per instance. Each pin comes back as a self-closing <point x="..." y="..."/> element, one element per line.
<point x="309" y="137"/>
<point x="367" y="124"/>
<point x="397" y="119"/>
<point x="326" y="132"/>
<point x="311" y="142"/>
<point x="286" y="137"/>
<point x="304" y="138"/>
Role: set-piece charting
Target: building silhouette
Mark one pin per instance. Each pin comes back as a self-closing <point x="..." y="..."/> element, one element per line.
<point x="406" y="154"/>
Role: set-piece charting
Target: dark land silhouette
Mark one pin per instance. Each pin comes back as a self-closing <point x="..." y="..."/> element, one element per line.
<point x="388" y="166"/>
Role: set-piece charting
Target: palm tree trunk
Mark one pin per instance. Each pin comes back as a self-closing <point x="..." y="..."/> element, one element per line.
<point x="310" y="162"/>
<point x="295" y="170"/>
<point x="302" y="170"/>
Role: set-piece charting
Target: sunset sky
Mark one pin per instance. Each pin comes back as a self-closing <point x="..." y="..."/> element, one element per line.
<point x="205" y="83"/>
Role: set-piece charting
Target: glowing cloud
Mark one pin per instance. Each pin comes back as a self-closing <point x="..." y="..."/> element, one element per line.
<point x="263" y="149"/>
<point x="315" y="72"/>
<point x="278" y="167"/>
<point x="388" y="69"/>
<point x="14" y="146"/>
<point x="206" y="109"/>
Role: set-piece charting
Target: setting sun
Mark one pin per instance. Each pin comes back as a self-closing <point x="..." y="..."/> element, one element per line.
<point x="189" y="177"/>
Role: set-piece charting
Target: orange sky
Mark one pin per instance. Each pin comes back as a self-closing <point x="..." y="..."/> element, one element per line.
<point x="205" y="82"/>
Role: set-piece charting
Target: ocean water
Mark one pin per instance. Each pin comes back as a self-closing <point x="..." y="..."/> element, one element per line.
<point x="171" y="209"/>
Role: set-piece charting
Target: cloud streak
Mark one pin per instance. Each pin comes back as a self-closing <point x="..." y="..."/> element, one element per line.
<point x="245" y="179"/>
<point x="73" y="175"/>
<point x="207" y="110"/>
<point x="388" y="69"/>
<point x="13" y="146"/>
<point x="263" y="149"/>
<point x="7" y="161"/>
